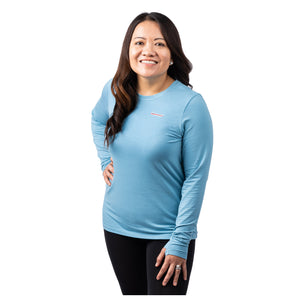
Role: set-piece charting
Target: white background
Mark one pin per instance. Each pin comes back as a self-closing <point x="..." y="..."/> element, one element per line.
<point x="55" y="58"/>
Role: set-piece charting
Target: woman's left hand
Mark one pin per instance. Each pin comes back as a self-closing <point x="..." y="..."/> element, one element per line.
<point x="169" y="265"/>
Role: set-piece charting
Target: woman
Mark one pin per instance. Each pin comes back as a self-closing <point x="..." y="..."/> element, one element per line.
<point x="159" y="138"/>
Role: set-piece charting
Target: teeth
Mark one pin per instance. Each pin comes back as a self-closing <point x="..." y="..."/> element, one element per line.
<point x="148" y="62"/>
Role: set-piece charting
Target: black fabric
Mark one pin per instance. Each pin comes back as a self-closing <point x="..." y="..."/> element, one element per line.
<point x="133" y="261"/>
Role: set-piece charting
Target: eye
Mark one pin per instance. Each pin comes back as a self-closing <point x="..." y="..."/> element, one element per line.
<point x="139" y="43"/>
<point x="160" y="44"/>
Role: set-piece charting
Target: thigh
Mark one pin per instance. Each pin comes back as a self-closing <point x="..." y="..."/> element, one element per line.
<point x="155" y="287"/>
<point x="128" y="258"/>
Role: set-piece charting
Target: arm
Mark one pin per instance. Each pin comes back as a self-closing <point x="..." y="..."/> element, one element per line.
<point x="100" y="116"/>
<point x="197" y="144"/>
<point x="196" y="153"/>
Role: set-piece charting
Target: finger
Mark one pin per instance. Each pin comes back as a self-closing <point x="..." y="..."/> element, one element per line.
<point x="184" y="271"/>
<point x="163" y="269"/>
<point x="109" y="171"/>
<point x="106" y="179"/>
<point x="107" y="175"/>
<point x="110" y="167"/>
<point x="160" y="257"/>
<point x="169" y="274"/>
<point x="176" y="276"/>
<point x="111" y="160"/>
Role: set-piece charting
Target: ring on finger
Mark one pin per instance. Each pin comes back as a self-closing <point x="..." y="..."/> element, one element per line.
<point x="178" y="267"/>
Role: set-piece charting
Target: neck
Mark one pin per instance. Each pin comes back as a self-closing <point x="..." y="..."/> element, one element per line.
<point x="151" y="86"/>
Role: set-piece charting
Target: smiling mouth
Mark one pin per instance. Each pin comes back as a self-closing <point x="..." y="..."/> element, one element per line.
<point x="150" y="62"/>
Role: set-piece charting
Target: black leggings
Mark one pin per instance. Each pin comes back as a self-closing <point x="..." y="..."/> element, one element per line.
<point x="133" y="261"/>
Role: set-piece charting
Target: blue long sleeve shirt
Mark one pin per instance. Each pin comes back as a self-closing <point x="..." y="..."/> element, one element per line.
<point x="161" y="161"/>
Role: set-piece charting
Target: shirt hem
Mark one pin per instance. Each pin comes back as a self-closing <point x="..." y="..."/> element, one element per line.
<point x="152" y="236"/>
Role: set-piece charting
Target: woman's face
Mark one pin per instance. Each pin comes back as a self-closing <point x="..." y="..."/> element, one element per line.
<point x="149" y="55"/>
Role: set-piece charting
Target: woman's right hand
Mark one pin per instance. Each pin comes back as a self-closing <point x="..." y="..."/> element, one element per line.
<point x="107" y="173"/>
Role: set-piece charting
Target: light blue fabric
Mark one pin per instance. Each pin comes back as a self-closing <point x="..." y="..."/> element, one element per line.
<point x="161" y="163"/>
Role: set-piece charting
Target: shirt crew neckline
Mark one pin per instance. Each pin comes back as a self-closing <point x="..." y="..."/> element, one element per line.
<point x="157" y="95"/>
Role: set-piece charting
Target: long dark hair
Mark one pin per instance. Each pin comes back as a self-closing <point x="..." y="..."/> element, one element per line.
<point x="124" y="83"/>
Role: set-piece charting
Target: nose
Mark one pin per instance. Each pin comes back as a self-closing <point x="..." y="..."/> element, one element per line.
<point x="148" y="50"/>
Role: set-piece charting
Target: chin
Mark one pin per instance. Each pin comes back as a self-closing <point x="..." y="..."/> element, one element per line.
<point x="149" y="75"/>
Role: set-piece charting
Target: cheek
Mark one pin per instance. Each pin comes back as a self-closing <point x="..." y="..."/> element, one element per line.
<point x="133" y="53"/>
<point x="166" y="59"/>
<point x="165" y="56"/>
<point x="131" y="57"/>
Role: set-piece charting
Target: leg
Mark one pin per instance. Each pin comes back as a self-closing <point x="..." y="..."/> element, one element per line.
<point x="155" y="287"/>
<point x="128" y="258"/>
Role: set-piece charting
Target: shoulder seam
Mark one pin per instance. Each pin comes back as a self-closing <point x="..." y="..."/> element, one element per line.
<point x="189" y="101"/>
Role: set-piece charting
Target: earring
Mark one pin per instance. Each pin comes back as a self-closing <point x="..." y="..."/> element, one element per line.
<point x="171" y="63"/>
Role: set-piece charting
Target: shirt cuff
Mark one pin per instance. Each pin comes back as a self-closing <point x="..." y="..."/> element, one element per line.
<point x="105" y="163"/>
<point x="177" y="246"/>
<point x="180" y="251"/>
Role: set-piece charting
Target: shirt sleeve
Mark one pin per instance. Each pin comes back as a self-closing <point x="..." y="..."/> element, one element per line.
<point x="197" y="144"/>
<point x="100" y="116"/>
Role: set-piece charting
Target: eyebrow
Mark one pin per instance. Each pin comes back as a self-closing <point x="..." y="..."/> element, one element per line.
<point x="140" y="37"/>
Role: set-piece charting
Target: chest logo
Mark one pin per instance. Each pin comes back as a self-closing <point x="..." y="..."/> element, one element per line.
<point x="158" y="115"/>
